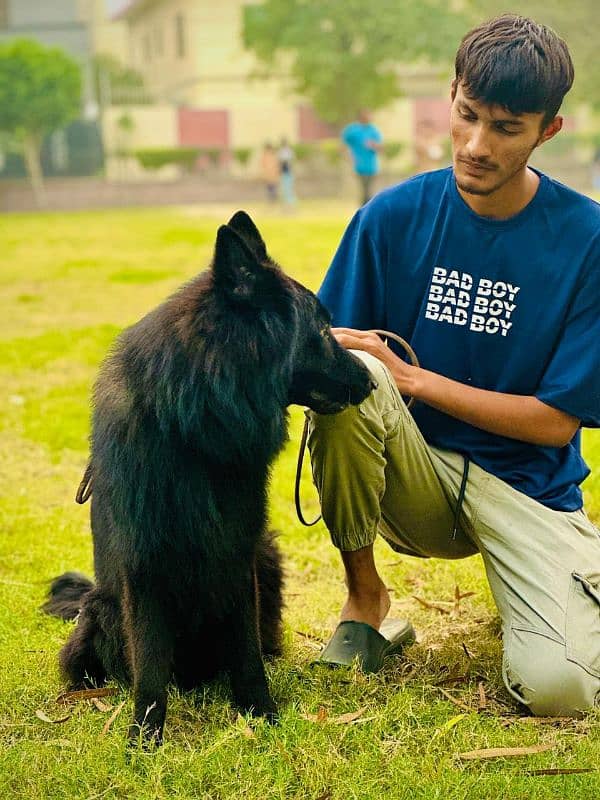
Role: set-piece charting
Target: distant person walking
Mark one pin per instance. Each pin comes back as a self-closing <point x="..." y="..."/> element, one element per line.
<point x="364" y="140"/>
<point x="269" y="168"/>
<point x="286" y="173"/>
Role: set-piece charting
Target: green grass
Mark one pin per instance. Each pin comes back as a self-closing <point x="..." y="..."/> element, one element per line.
<point x="68" y="284"/>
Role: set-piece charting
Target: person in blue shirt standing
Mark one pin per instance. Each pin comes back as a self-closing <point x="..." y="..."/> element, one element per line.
<point x="364" y="140"/>
<point x="491" y="271"/>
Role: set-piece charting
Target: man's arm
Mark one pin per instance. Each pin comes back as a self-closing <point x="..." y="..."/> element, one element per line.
<point x="516" y="416"/>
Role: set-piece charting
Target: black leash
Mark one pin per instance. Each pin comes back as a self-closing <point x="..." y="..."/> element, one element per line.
<point x="413" y="360"/>
<point x="84" y="491"/>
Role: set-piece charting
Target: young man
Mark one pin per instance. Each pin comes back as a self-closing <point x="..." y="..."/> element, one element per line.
<point x="491" y="270"/>
<point x="364" y="141"/>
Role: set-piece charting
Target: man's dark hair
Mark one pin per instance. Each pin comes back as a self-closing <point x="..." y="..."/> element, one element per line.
<point x="516" y="63"/>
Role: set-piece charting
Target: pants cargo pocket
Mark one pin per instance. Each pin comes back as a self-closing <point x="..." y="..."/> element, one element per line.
<point x="582" y="633"/>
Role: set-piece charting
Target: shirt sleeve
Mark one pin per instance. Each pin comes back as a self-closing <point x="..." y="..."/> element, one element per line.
<point x="354" y="287"/>
<point x="571" y="382"/>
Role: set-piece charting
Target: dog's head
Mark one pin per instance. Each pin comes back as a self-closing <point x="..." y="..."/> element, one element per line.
<point x="320" y="373"/>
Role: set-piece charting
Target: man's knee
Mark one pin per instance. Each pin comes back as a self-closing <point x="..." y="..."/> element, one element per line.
<point x="538" y="674"/>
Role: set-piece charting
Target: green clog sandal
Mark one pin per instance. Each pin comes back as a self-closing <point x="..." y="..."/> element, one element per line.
<point x="357" y="641"/>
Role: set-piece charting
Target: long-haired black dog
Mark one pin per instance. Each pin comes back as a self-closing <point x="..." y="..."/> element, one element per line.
<point x="189" y="413"/>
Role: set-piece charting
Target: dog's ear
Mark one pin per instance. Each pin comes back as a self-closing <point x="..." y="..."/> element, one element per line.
<point x="242" y="224"/>
<point x="235" y="267"/>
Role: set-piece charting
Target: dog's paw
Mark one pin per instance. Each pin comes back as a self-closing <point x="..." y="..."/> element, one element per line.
<point x="143" y="737"/>
<point x="268" y="711"/>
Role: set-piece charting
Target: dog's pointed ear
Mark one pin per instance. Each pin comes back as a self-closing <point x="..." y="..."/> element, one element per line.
<point x="242" y="224"/>
<point x="235" y="266"/>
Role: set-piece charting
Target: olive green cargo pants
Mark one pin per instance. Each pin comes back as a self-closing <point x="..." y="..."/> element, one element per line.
<point x="375" y="474"/>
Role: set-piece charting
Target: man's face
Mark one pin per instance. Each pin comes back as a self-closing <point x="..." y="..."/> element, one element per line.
<point x="491" y="146"/>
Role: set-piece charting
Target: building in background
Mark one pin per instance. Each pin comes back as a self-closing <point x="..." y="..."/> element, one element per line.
<point x="195" y="67"/>
<point x="108" y="36"/>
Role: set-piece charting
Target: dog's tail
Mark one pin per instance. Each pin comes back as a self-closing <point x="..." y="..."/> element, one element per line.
<point x="66" y="595"/>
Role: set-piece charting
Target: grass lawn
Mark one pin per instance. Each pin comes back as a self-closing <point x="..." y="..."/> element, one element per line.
<point x="69" y="283"/>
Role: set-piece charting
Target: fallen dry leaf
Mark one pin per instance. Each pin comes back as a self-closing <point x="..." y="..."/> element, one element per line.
<point x="429" y="604"/>
<point x="351" y="716"/>
<point x="85" y="694"/>
<point x="100" y="705"/>
<point x="342" y="719"/>
<point x="112" y="718"/>
<point x="559" y="771"/>
<point x="504" y="752"/>
<point x="45" y="718"/>
<point x="310" y="641"/>
<point x="454" y="700"/>
<point x="453" y="679"/>
<point x="482" y="697"/>
<point x="458" y="596"/>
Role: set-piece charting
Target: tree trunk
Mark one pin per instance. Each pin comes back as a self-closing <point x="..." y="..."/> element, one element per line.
<point x="31" y="150"/>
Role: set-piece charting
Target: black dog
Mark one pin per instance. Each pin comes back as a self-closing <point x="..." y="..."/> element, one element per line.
<point x="189" y="413"/>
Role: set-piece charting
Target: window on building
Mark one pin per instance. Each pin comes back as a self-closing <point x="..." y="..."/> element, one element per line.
<point x="179" y="36"/>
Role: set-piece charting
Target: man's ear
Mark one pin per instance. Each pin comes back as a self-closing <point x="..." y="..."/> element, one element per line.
<point x="235" y="267"/>
<point x="242" y="224"/>
<point x="551" y="129"/>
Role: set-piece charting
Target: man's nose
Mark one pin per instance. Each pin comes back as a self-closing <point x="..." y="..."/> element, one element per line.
<point x="478" y="146"/>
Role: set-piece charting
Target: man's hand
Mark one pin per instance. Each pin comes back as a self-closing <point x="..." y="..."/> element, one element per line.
<point x="521" y="417"/>
<point x="405" y="375"/>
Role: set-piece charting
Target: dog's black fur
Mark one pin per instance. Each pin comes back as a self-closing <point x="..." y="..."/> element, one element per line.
<point x="189" y="413"/>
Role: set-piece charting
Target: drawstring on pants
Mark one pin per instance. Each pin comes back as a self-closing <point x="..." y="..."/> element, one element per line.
<point x="461" y="496"/>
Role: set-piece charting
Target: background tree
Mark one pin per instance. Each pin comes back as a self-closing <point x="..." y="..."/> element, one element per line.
<point x="344" y="55"/>
<point x="40" y="91"/>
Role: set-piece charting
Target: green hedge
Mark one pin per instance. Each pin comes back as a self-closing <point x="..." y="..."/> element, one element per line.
<point x="157" y="157"/>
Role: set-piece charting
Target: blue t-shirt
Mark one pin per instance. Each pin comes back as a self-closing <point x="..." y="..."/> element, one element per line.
<point x="506" y="305"/>
<point x="355" y="136"/>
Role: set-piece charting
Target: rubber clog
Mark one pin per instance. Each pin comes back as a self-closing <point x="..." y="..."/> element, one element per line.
<point x="359" y="642"/>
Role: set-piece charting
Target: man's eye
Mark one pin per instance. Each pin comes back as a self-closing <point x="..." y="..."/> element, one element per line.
<point x="507" y="131"/>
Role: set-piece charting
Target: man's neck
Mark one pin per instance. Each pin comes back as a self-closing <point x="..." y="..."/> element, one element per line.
<point x="508" y="200"/>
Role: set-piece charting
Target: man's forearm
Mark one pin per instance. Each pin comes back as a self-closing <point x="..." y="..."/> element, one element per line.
<point x="518" y="417"/>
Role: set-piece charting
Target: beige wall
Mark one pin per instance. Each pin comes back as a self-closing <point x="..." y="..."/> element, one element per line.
<point x="214" y="72"/>
<point x="152" y="41"/>
<point x="153" y="126"/>
<point x="108" y="37"/>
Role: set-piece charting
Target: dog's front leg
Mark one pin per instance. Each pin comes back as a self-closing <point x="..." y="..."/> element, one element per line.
<point x="151" y="653"/>
<point x="248" y="679"/>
